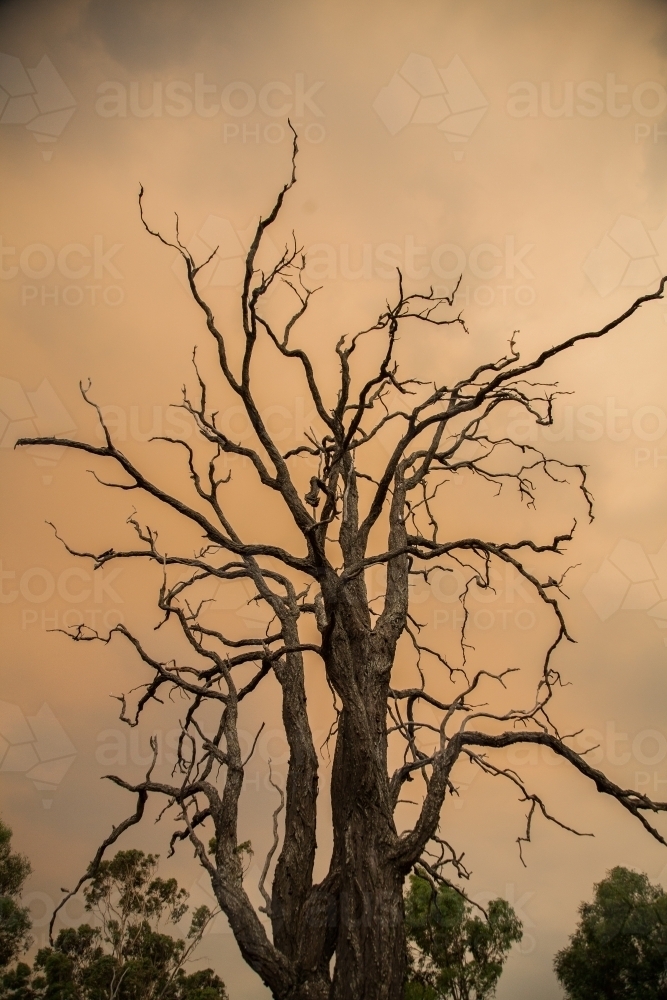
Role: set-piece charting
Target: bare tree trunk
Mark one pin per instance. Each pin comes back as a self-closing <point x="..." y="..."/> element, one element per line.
<point x="370" y="946"/>
<point x="370" y="949"/>
<point x="294" y="870"/>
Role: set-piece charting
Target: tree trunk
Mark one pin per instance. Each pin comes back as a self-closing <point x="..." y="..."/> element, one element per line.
<point x="312" y="989"/>
<point x="370" y="956"/>
<point x="370" y="945"/>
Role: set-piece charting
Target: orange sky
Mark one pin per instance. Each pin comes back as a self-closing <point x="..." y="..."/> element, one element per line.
<point x="545" y="185"/>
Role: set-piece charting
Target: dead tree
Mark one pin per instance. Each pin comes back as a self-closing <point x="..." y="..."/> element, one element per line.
<point x="356" y="514"/>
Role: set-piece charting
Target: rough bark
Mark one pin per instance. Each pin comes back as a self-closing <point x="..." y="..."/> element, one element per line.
<point x="370" y="947"/>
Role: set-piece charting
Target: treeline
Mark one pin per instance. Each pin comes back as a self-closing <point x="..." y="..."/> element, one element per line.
<point x="455" y="951"/>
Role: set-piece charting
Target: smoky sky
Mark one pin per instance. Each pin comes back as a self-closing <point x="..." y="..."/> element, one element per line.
<point x="537" y="173"/>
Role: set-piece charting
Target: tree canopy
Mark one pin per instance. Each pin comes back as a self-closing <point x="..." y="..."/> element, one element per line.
<point x="14" y="919"/>
<point x="453" y="954"/>
<point x="126" y="955"/>
<point x="619" y="949"/>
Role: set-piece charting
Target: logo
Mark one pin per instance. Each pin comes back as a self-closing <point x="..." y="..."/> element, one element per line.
<point x="527" y="100"/>
<point x="420" y="94"/>
<point x="628" y="256"/>
<point x="630" y="580"/>
<point x="35" y="745"/>
<point x="230" y="247"/>
<point x="73" y="261"/>
<point x="33" y="414"/>
<point x="238" y="99"/>
<point x="37" y="98"/>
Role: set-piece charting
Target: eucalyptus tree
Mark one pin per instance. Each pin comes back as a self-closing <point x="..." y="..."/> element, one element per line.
<point x="619" y="947"/>
<point x="15" y="923"/>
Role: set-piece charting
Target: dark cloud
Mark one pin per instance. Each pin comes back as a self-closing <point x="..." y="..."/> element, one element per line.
<point x="151" y="34"/>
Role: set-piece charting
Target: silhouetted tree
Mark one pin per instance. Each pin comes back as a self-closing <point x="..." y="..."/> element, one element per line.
<point x="314" y="541"/>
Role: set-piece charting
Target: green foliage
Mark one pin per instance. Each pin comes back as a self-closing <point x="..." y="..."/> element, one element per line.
<point x="244" y="848"/>
<point x="619" y="948"/>
<point x="129" y="956"/>
<point x="14" y="868"/>
<point x="20" y="984"/>
<point x="14" y="919"/>
<point x="451" y="953"/>
<point x="125" y="888"/>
